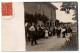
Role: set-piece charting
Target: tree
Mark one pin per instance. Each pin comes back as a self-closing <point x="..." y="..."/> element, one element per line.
<point x="67" y="6"/>
<point x="30" y="18"/>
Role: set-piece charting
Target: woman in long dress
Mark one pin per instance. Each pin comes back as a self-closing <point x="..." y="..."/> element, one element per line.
<point x="46" y="33"/>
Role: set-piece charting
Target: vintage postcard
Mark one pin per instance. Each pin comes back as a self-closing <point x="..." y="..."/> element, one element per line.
<point x="39" y="26"/>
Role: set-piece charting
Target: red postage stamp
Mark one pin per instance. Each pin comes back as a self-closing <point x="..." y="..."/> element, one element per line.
<point x="6" y="9"/>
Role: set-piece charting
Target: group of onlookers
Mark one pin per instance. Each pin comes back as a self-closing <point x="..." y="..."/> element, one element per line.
<point x="34" y="32"/>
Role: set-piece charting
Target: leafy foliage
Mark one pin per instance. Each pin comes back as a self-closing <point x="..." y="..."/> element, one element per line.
<point x="34" y="18"/>
<point x="67" y="6"/>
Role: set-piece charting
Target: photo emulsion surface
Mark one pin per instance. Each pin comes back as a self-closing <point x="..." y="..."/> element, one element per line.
<point x="39" y="26"/>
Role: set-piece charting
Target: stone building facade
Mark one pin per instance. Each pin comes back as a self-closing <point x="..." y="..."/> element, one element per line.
<point x="45" y="8"/>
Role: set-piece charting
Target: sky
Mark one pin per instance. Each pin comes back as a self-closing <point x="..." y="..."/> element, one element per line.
<point x="62" y="16"/>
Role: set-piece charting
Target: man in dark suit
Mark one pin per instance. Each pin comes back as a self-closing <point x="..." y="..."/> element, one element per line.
<point x="54" y="31"/>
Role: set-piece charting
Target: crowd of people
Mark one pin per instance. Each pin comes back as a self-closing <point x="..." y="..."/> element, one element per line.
<point x="34" y="32"/>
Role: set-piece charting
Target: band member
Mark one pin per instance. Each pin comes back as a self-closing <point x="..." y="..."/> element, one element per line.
<point x="27" y="25"/>
<point x="66" y="30"/>
<point x="69" y="31"/>
<point x="50" y="31"/>
<point x="63" y="31"/>
<point x="32" y="34"/>
<point x="42" y="31"/>
<point x="58" y="31"/>
<point x="54" y="31"/>
<point x="39" y="32"/>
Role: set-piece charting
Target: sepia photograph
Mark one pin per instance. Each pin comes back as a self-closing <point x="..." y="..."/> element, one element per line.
<point x="39" y="26"/>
